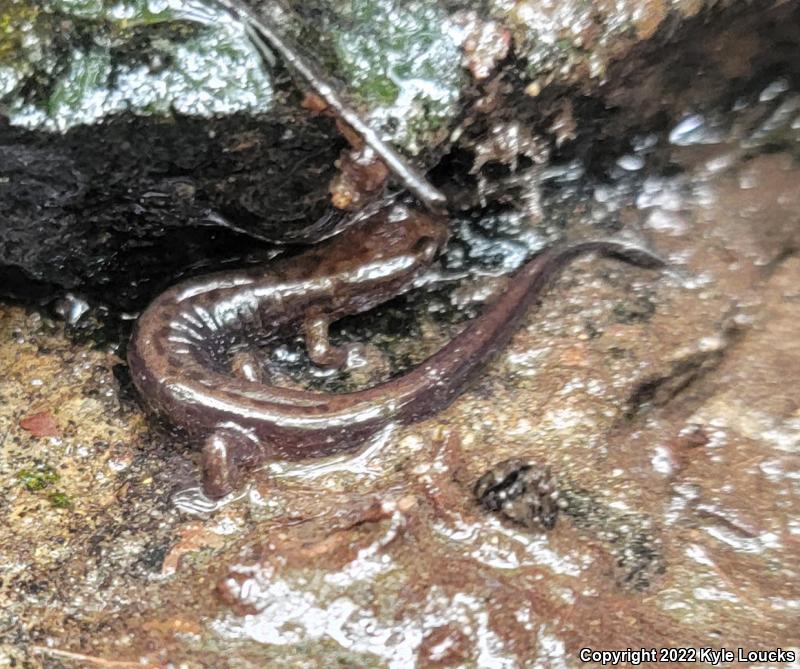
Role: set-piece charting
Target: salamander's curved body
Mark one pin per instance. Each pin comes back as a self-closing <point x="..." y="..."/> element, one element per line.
<point x="180" y="350"/>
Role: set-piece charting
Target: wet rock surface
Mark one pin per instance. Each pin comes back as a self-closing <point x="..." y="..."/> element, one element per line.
<point x="664" y="406"/>
<point x="671" y="429"/>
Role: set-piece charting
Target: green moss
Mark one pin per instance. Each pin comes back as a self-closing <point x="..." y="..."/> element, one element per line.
<point x="37" y="479"/>
<point x="398" y="59"/>
<point x="59" y="500"/>
<point x="68" y="62"/>
<point x="14" y="17"/>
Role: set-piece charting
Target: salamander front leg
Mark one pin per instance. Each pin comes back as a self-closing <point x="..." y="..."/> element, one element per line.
<point x="228" y="453"/>
<point x="369" y="358"/>
<point x="319" y="346"/>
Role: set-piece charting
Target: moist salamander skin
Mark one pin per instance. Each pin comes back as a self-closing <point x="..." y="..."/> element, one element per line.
<point x="180" y="349"/>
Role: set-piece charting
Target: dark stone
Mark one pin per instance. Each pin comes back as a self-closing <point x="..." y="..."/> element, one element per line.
<point x="121" y="209"/>
<point x="520" y="491"/>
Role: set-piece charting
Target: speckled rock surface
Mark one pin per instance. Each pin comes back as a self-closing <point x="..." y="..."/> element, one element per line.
<point x="664" y="404"/>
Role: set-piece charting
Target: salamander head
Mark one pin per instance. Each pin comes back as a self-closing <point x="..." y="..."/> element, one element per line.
<point x="379" y="257"/>
<point x="411" y="238"/>
<point x="400" y="231"/>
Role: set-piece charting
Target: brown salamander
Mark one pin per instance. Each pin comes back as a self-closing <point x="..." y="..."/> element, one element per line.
<point x="181" y="347"/>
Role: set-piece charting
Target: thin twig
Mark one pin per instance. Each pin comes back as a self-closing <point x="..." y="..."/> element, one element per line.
<point x="262" y="30"/>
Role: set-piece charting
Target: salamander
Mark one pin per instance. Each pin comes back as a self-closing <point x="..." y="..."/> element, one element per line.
<point x="180" y="354"/>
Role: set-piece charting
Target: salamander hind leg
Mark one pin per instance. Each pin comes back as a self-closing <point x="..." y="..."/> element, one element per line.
<point x="247" y="366"/>
<point x="228" y="453"/>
